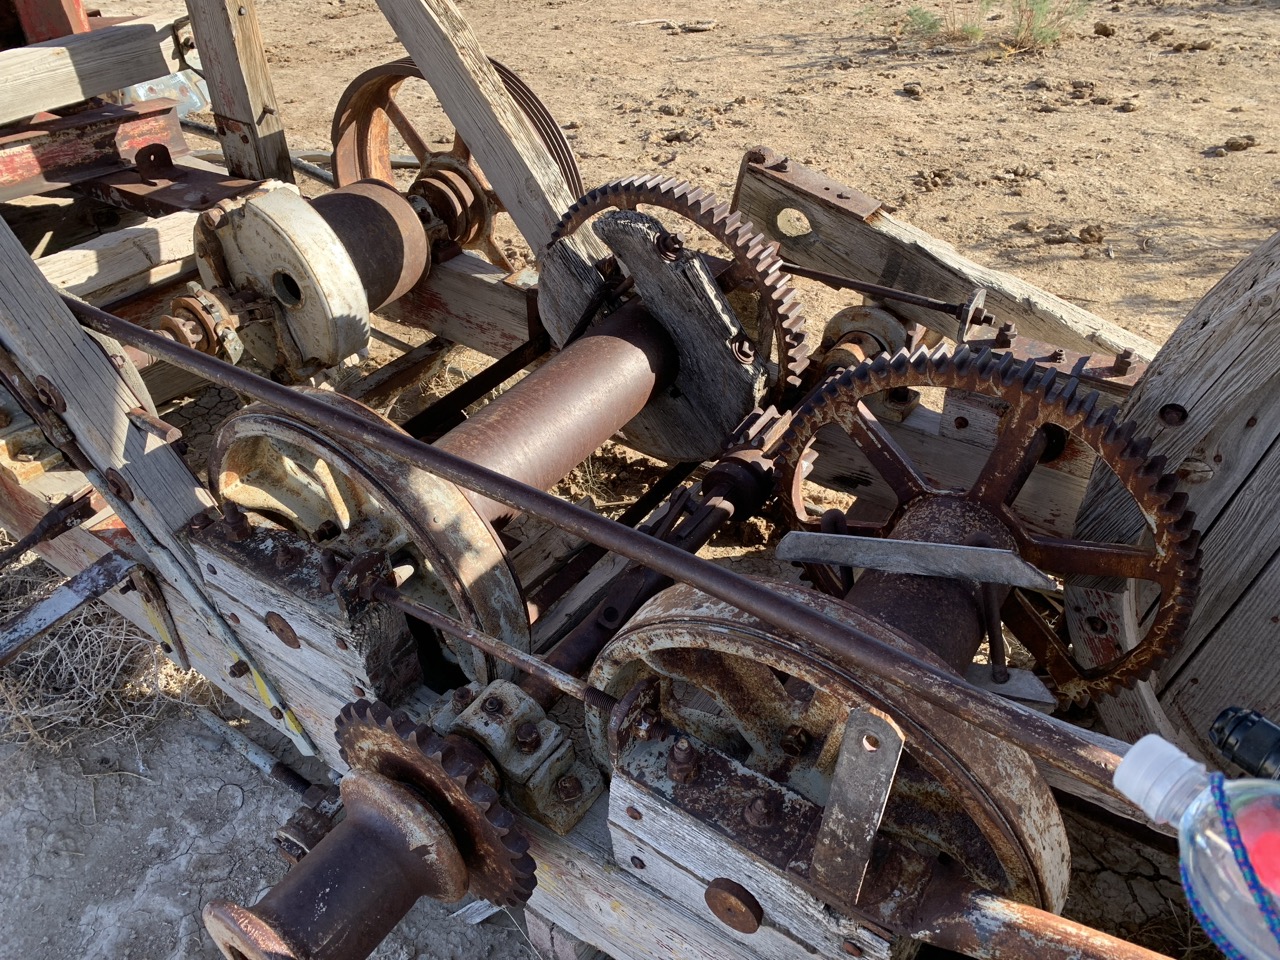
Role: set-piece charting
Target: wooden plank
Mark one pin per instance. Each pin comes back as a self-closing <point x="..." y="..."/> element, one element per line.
<point x="58" y="73"/>
<point x="246" y="112"/>
<point x="126" y="262"/>
<point x="466" y="300"/>
<point x="1208" y="402"/>
<point x="681" y="856"/>
<point x="877" y="248"/>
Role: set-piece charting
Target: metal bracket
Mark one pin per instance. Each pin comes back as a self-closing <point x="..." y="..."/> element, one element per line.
<point x="864" y="774"/>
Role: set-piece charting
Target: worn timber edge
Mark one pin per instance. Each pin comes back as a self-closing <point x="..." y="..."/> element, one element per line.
<point x="852" y="235"/>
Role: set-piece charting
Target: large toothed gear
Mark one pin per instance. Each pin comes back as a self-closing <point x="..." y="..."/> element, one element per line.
<point x="454" y="777"/>
<point x="1037" y="397"/>
<point x="756" y="256"/>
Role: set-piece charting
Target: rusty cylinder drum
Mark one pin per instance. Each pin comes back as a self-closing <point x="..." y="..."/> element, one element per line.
<point x="942" y="614"/>
<point x="561" y="413"/>
<point x="381" y="234"/>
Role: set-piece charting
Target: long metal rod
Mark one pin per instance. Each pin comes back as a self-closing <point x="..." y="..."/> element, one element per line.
<point x="526" y="662"/>
<point x="1058" y="748"/>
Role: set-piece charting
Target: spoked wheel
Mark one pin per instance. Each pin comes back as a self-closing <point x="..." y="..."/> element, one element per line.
<point x="779" y="704"/>
<point x="1041" y="410"/>
<point x="377" y="117"/>
<point x="355" y="500"/>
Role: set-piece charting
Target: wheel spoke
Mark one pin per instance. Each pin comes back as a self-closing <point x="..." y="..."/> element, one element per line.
<point x="1031" y="630"/>
<point x="1066" y="557"/>
<point x="1007" y="469"/>
<point x="888" y="459"/>
<point x="403" y="127"/>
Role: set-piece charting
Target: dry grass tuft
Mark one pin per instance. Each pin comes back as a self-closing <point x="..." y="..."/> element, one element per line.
<point x="95" y="677"/>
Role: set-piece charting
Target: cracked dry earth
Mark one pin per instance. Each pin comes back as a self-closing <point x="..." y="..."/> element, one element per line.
<point x="1122" y="134"/>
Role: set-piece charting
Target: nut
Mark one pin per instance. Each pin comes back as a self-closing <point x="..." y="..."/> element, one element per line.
<point x="238" y="669"/>
<point x="761" y="811"/>
<point x="569" y="788"/>
<point x="493" y="706"/>
<point x="1124" y="361"/>
<point x="462" y="697"/>
<point x="50" y="395"/>
<point x="528" y="739"/>
<point x="795" y="741"/>
<point x="117" y="484"/>
<point x="682" y="761"/>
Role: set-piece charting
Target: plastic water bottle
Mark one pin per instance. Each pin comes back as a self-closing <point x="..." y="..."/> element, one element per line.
<point x="1231" y="863"/>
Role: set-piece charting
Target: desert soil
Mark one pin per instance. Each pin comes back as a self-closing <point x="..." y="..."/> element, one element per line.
<point x="111" y="849"/>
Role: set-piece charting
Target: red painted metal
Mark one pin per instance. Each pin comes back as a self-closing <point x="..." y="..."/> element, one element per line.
<point x="50" y="19"/>
<point x="49" y="154"/>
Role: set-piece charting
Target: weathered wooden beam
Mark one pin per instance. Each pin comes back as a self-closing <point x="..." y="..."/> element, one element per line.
<point x="850" y="235"/>
<point x="1208" y="401"/>
<point x="245" y="108"/>
<point x="61" y="72"/>
<point x="126" y="262"/>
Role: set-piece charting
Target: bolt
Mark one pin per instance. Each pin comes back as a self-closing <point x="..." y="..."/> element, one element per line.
<point x="1057" y="356"/>
<point x="669" y="245"/>
<point x="528" y="739"/>
<point x="634" y="814"/>
<point x="569" y="788"/>
<point x="199" y="521"/>
<point x="1005" y="336"/>
<point x="236" y="522"/>
<point x="238" y="669"/>
<point x="1173" y="414"/>
<point x="682" y="761"/>
<point x="851" y="948"/>
<point x="462" y="697"/>
<point x="759" y="812"/>
<point x="744" y="351"/>
<point x="795" y="741"/>
<point x="328" y="566"/>
<point x="277" y="713"/>
<point x="493" y="706"/>
<point x="50" y="395"/>
<point x="637" y="863"/>
<point x="1096" y="624"/>
<point x="1124" y="361"/>
<point x="283" y="631"/>
<point x="117" y="484"/>
<point x="287" y="556"/>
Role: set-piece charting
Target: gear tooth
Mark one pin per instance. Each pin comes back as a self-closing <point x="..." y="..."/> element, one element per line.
<point x="500" y="818"/>
<point x="1066" y="391"/>
<point x="984" y="360"/>
<point x="1138" y="448"/>
<point x="1185" y="524"/>
<point x="1044" y="383"/>
<point x="919" y="360"/>
<point x="962" y="358"/>
<point x="1176" y="503"/>
<point x="1190" y="547"/>
<point x="1153" y="466"/>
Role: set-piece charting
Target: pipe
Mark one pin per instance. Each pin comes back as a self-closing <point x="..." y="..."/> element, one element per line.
<point x="1059" y="748"/>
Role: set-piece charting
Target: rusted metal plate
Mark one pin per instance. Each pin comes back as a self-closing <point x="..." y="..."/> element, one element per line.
<point x="48" y="154"/>
<point x="807" y="181"/>
<point x="859" y="790"/>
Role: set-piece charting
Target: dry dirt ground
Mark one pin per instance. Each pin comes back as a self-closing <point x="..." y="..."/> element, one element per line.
<point x="109" y="850"/>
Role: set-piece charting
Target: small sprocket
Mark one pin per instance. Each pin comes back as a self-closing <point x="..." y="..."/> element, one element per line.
<point x="1038" y="400"/>
<point x="454" y="777"/>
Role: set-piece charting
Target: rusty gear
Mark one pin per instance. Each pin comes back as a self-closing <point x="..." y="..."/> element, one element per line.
<point x="450" y="773"/>
<point x="755" y="254"/>
<point x="1037" y="397"/>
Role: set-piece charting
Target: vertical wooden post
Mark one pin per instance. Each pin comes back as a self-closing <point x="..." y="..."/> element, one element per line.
<point x="244" y="101"/>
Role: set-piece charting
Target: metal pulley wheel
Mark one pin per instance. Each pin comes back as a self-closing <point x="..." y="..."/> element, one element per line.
<point x="1039" y="412"/>
<point x="372" y="111"/>
<point x="356" y="500"/>
<point x="779" y="704"/>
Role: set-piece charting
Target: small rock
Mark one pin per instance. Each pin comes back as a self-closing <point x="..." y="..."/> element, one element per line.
<point x="1236" y="110"/>
<point x="1218" y="152"/>
<point x="1205" y="44"/>
<point x="1041" y="83"/>
<point x="1091" y="234"/>
<point x="1127" y="107"/>
<point x="1240" y="143"/>
<point x="667" y="110"/>
<point x="1047" y="108"/>
<point x="913" y="90"/>
<point x="1104" y="29"/>
<point x="1054" y="239"/>
<point x="682" y="135"/>
<point x="1025" y="226"/>
<point x="1181" y="47"/>
<point x="1101" y="101"/>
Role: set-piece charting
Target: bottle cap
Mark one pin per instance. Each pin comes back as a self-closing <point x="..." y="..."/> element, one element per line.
<point x="1151" y="770"/>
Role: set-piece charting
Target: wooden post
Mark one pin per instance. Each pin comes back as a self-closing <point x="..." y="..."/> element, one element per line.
<point x="244" y="102"/>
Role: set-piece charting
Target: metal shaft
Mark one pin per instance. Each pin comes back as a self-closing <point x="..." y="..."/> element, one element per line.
<point x="1059" y="748"/>
<point x="559" y="415"/>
